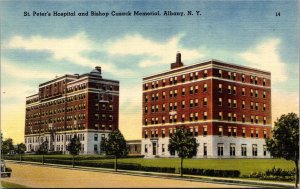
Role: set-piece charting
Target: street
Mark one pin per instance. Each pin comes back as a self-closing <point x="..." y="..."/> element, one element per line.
<point x="53" y="177"/>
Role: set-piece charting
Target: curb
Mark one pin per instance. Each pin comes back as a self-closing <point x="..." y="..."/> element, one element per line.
<point x="193" y="178"/>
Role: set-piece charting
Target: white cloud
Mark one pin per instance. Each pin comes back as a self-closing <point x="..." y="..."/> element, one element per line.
<point x="24" y="73"/>
<point x="155" y="53"/>
<point x="70" y="49"/>
<point x="266" y="56"/>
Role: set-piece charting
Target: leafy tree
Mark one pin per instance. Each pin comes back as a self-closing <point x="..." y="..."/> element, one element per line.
<point x="184" y="143"/>
<point x="285" y="140"/>
<point x="114" y="145"/>
<point x="7" y="146"/>
<point x="43" y="149"/>
<point x="21" y="148"/>
<point x="74" y="147"/>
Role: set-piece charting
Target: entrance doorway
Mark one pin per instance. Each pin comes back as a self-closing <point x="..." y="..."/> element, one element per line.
<point x="154" y="148"/>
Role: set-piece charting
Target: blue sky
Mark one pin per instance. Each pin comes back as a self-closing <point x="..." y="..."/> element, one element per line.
<point x="36" y="49"/>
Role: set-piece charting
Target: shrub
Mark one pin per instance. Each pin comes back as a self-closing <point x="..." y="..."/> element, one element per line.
<point x="275" y="174"/>
<point x="212" y="172"/>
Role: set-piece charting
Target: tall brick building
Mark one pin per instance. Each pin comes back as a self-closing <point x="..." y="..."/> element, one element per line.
<point x="227" y="108"/>
<point x="86" y="105"/>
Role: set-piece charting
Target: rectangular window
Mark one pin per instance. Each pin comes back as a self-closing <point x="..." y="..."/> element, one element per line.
<point x="204" y="116"/>
<point x="234" y="103"/>
<point x="183" y="78"/>
<point x="146" y="134"/>
<point x="163" y="133"/>
<point x="229" y="118"/>
<point x="205" y="149"/>
<point x="229" y="132"/>
<point x="205" y="74"/>
<point x="95" y="147"/>
<point x="183" y="92"/>
<point x="205" y="131"/>
<point x="265" y="150"/>
<point x="163" y="120"/>
<point x="205" y="87"/>
<point x="229" y="103"/>
<point x="229" y="75"/>
<point x="220" y="73"/>
<point x="264" y="107"/>
<point x="264" y="94"/>
<point x="243" y="91"/>
<point x="252" y="133"/>
<point x="265" y="133"/>
<point x="229" y="89"/>
<point x="256" y="80"/>
<point x="191" y="90"/>
<point x="220" y="115"/>
<point x="252" y="105"/>
<point x="251" y="79"/>
<point x="204" y="101"/>
<point x="256" y="106"/>
<point x="182" y="118"/>
<point x="264" y="82"/>
<point x="234" y="76"/>
<point x="196" y="131"/>
<point x="243" y="104"/>
<point x="243" y="78"/>
<point x="256" y="133"/>
<point x="164" y="82"/>
<point x="256" y="119"/>
<point x="220" y="88"/>
<point x="220" y="131"/>
<point x="244" y="132"/>
<point x="96" y="137"/>
<point x="146" y="148"/>
<point x="244" y="150"/>
<point x="196" y="89"/>
<point x="251" y="92"/>
<point x="254" y="149"/>
<point x="220" y="149"/>
<point x="163" y="148"/>
<point x="232" y="149"/>
<point x="234" y="90"/>
<point x="256" y="93"/>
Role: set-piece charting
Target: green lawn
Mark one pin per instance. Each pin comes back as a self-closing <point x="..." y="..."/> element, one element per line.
<point x="5" y="184"/>
<point x="246" y="166"/>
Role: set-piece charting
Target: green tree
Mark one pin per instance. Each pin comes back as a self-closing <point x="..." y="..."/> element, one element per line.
<point x="285" y="140"/>
<point x="184" y="143"/>
<point x="21" y="148"/>
<point x="7" y="146"/>
<point x="74" y="147"/>
<point x="43" y="149"/>
<point x="115" y="145"/>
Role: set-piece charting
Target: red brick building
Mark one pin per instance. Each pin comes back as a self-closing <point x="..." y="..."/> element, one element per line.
<point x="86" y="105"/>
<point x="227" y="107"/>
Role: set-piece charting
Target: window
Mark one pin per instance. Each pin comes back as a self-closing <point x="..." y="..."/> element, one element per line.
<point x="164" y="82"/>
<point x="175" y="93"/>
<point x="171" y="81"/>
<point x="175" y="80"/>
<point x="196" y="102"/>
<point x="265" y="150"/>
<point x="251" y="79"/>
<point x="232" y="149"/>
<point x="163" y="107"/>
<point x="229" y="75"/>
<point x="171" y="106"/>
<point x="252" y="105"/>
<point x="244" y="150"/>
<point x="234" y="90"/>
<point x="256" y="133"/>
<point x="152" y="85"/>
<point x="156" y="96"/>
<point x="95" y="147"/>
<point x="156" y="133"/>
<point x="191" y="90"/>
<point x="146" y="122"/>
<point x="182" y="118"/>
<point x="146" y="98"/>
<point x="229" y="103"/>
<point x="220" y="88"/>
<point x="220" y="102"/>
<point x="229" y="131"/>
<point x="163" y="120"/>
<point x="264" y="94"/>
<point x="244" y="132"/>
<point x="196" y="131"/>
<point x="191" y="116"/>
<point x="183" y="78"/>
<point x="243" y="118"/>
<point x="220" y="131"/>
<point x="191" y="76"/>
<point x="243" y="78"/>
<point x="205" y="74"/>
<point x="234" y="103"/>
<point x="243" y="91"/>
<point x="205" y="149"/>
<point x="146" y="148"/>
<point x="146" y="134"/>
<point x="163" y="95"/>
<point x="196" y="75"/>
<point x="264" y="107"/>
<point x="220" y="116"/>
<point x="204" y="101"/>
<point x="234" y="132"/>
<point x="183" y="92"/>
<point x="191" y="131"/>
<point x="229" y="117"/>
<point x="204" y="116"/>
<point x="265" y="133"/>
<point x="252" y="119"/>
<point x="251" y="92"/>
<point x="256" y="119"/>
<point x="229" y="89"/>
<point x="163" y="133"/>
<point x="256" y="80"/>
<point x="220" y="149"/>
<point x="146" y="86"/>
<point x="175" y="105"/>
<point x="264" y="82"/>
<point x="152" y="109"/>
<point x="170" y="132"/>
<point x="205" y="87"/>
<point x="234" y="117"/>
<point x="234" y="76"/>
<point x="205" y="131"/>
<point x="220" y="73"/>
<point x="254" y="149"/>
<point x="256" y="106"/>
<point x="183" y="104"/>
<point x="243" y="104"/>
<point x="152" y="97"/>
<point x="171" y="94"/>
<point x="156" y="108"/>
<point x="252" y="133"/>
<point x="156" y="84"/>
<point x="163" y="148"/>
<point x="96" y="137"/>
<point x="196" y="89"/>
<point x="191" y="103"/>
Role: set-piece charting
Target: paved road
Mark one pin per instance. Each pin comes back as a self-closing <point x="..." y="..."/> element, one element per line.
<point x="53" y="177"/>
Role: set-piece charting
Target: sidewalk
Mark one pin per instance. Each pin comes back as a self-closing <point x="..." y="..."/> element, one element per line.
<point x="194" y="178"/>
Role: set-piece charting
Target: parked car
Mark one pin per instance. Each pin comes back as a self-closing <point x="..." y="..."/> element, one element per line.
<point x="5" y="171"/>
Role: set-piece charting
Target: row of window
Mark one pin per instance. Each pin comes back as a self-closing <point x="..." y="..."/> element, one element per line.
<point x="59" y="128"/>
<point x="195" y="75"/>
<point x="195" y="117"/>
<point x="231" y="132"/>
<point x="220" y="149"/>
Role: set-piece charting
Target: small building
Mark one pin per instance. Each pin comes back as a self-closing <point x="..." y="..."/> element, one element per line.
<point x="134" y="147"/>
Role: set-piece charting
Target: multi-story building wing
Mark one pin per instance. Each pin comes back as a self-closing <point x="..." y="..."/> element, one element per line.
<point x="227" y="108"/>
<point x="86" y="105"/>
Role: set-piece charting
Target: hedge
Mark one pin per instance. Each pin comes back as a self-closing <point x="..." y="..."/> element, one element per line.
<point x="212" y="172"/>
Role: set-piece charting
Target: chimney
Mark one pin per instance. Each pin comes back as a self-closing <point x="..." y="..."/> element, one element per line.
<point x="178" y="62"/>
<point x="98" y="68"/>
